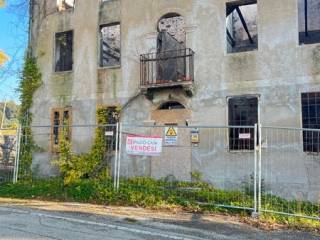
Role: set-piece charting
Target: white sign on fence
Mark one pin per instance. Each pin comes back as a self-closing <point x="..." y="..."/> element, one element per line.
<point x="143" y="145"/>
<point x="171" y="136"/>
<point x="244" y="136"/>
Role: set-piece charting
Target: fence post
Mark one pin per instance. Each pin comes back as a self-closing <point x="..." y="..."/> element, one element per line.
<point x="119" y="157"/>
<point x="259" y="169"/>
<point x="17" y="158"/>
<point x="116" y="157"/>
<point x="255" y="212"/>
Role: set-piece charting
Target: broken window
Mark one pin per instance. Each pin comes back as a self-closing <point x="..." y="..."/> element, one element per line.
<point x="310" y="103"/>
<point x="63" y="51"/>
<point x="171" y="48"/>
<point x="172" y="105"/>
<point x="243" y="111"/>
<point x="60" y="122"/>
<point x="110" y="45"/>
<point x="242" y="26"/>
<point x="309" y="21"/>
<point x="65" y="4"/>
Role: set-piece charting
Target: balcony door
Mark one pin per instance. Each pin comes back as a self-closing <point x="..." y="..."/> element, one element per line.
<point x="171" y="63"/>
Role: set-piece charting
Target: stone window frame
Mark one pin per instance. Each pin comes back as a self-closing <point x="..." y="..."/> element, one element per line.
<point x="100" y="66"/>
<point x="53" y="134"/>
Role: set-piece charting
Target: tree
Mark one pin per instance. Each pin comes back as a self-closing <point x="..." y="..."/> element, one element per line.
<point x="3" y="56"/>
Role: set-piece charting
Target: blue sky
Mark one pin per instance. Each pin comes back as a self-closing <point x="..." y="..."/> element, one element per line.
<point x="13" y="41"/>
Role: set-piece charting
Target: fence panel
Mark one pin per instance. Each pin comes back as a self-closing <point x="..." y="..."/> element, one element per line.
<point x="83" y="139"/>
<point x="221" y="157"/>
<point x="290" y="171"/>
<point x="9" y="143"/>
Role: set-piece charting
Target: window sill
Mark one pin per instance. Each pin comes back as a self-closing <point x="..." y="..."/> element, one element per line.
<point x="109" y="67"/>
<point x="63" y="72"/>
<point x="309" y="44"/>
<point x="242" y="53"/>
<point x="240" y="151"/>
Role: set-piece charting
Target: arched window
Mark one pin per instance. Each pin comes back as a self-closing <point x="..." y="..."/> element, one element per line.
<point x="174" y="24"/>
<point x="171" y="44"/>
<point x="171" y="105"/>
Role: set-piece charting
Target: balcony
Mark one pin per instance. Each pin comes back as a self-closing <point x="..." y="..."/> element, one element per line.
<point x="167" y="69"/>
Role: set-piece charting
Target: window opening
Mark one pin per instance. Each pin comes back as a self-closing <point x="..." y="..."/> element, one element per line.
<point x="309" y="21"/>
<point x="242" y="26"/>
<point x="171" y="106"/>
<point x="243" y="111"/>
<point x="310" y="103"/>
<point x="110" y="45"/>
<point x="171" y="48"/>
<point x="63" y="51"/>
<point x="65" y="4"/>
<point x="60" y="122"/>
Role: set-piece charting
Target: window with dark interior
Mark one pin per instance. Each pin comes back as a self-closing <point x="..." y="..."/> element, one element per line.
<point x="110" y="45"/>
<point x="63" y="51"/>
<point x="243" y="111"/>
<point x="310" y="103"/>
<point x="60" y="122"/>
<point x="242" y="25"/>
<point x="172" y="105"/>
<point x="309" y="21"/>
<point x="171" y="49"/>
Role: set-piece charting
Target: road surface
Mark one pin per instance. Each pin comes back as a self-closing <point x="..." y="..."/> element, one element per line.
<point x="63" y="221"/>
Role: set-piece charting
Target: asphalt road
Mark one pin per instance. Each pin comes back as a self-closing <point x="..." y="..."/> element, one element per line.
<point x="23" y="222"/>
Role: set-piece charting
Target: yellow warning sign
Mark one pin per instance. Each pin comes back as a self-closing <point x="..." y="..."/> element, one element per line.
<point x="171" y="137"/>
<point x="171" y="132"/>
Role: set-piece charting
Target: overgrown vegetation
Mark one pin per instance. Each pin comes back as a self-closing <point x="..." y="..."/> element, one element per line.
<point x="95" y="163"/>
<point x="30" y="82"/>
<point x="146" y="192"/>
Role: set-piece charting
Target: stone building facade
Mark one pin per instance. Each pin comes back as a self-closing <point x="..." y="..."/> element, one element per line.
<point x="110" y="52"/>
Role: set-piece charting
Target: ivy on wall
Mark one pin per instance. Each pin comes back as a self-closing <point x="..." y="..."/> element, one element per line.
<point x="30" y="82"/>
<point x="93" y="164"/>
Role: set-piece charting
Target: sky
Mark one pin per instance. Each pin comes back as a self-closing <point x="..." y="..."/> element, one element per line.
<point x="13" y="41"/>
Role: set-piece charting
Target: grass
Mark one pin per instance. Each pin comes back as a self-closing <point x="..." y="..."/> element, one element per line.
<point x="147" y="192"/>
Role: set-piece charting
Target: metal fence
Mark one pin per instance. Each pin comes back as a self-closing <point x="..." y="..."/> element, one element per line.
<point x="289" y="171"/>
<point x="192" y="154"/>
<point x="9" y="148"/>
<point x="262" y="169"/>
<point x="257" y="168"/>
<point x="46" y="143"/>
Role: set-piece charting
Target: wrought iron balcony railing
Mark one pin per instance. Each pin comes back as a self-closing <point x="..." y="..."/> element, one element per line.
<point x="167" y="69"/>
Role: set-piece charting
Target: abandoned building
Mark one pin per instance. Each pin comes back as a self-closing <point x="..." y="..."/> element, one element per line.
<point x="177" y="62"/>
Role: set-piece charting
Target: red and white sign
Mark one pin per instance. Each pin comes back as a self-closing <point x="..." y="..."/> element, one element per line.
<point x="143" y="145"/>
<point x="244" y="136"/>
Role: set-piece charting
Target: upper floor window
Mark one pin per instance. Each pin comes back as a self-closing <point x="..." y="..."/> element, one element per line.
<point x="110" y="45"/>
<point x="242" y="26"/>
<point x="309" y="21"/>
<point x="65" y="4"/>
<point x="63" y="51"/>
